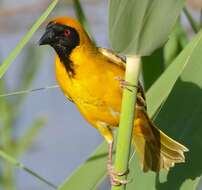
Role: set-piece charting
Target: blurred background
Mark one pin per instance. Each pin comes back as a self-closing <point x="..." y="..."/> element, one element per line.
<point x="43" y="129"/>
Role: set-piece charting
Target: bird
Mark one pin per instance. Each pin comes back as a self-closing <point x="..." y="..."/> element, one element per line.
<point x="93" y="79"/>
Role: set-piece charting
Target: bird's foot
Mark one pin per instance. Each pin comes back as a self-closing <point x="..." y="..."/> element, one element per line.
<point x="113" y="176"/>
<point x="125" y="84"/>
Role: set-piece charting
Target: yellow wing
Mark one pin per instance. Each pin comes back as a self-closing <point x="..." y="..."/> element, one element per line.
<point x="113" y="57"/>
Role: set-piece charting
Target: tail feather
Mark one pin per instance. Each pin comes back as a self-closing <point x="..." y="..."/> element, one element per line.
<point x="169" y="142"/>
<point x="155" y="149"/>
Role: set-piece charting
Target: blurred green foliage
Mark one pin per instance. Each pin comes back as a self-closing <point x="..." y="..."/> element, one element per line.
<point x="10" y="111"/>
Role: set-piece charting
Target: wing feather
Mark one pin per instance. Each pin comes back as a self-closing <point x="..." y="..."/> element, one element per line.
<point x="113" y="57"/>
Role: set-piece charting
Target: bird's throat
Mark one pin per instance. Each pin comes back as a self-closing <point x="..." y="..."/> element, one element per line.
<point x="64" y="55"/>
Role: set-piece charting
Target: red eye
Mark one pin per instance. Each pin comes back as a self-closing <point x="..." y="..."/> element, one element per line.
<point x="66" y="33"/>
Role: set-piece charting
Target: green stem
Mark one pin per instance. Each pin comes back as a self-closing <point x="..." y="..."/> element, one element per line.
<point x="22" y="92"/>
<point x="8" y="177"/>
<point x="192" y="22"/>
<point x="14" y="53"/>
<point x="127" y="118"/>
<point x="82" y="17"/>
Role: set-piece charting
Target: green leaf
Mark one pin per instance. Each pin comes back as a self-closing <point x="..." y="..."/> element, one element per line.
<point x="6" y="63"/>
<point x="140" y="27"/>
<point x="156" y="96"/>
<point x="158" y="93"/>
<point x="180" y="118"/>
<point x="18" y="164"/>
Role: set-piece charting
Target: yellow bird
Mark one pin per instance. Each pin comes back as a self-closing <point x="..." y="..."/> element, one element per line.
<point x="90" y="77"/>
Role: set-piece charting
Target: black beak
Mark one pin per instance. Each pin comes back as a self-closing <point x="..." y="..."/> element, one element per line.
<point x="47" y="38"/>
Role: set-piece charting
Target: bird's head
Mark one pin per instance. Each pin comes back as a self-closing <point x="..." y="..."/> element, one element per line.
<point x="64" y="34"/>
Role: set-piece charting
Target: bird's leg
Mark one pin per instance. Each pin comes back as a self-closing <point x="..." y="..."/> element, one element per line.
<point x="111" y="172"/>
<point x="125" y="84"/>
<point x="105" y="130"/>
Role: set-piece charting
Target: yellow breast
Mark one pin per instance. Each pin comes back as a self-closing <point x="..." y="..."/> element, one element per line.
<point x="93" y="88"/>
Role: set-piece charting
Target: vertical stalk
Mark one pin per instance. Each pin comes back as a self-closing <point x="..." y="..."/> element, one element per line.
<point x="8" y="177"/>
<point x="8" y="173"/>
<point x="127" y="118"/>
<point x="80" y="14"/>
<point x="8" y="170"/>
<point x="191" y="20"/>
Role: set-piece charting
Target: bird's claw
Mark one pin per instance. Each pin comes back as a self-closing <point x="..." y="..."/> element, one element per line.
<point x="125" y="84"/>
<point x="118" y="182"/>
<point x="113" y="176"/>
